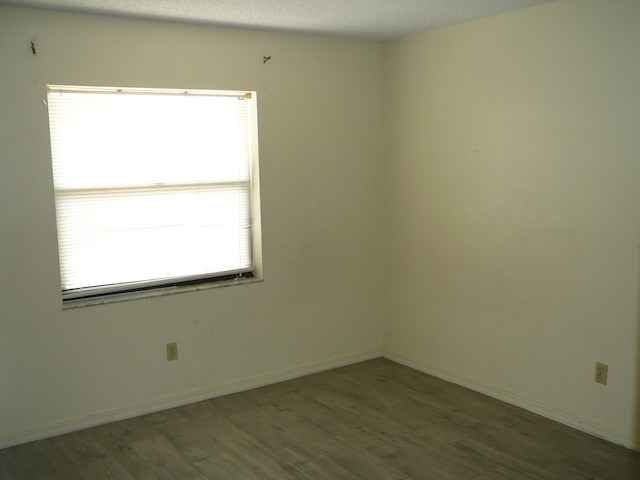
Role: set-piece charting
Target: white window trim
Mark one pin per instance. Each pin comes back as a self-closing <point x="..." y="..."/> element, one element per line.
<point x="71" y="304"/>
<point x="189" y="283"/>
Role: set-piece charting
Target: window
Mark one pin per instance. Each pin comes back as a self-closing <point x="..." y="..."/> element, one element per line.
<point x="155" y="190"/>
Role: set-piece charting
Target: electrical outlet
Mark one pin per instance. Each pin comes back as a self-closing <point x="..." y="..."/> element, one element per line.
<point x="172" y="351"/>
<point x="601" y="373"/>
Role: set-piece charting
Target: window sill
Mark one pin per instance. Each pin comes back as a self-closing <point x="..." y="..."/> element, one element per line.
<point x="157" y="292"/>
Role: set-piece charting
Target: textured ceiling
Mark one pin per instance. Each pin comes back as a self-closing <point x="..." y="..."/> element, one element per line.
<point x="365" y="19"/>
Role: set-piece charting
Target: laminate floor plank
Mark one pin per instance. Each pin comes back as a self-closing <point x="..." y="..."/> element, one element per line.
<point x="505" y="463"/>
<point x="436" y="458"/>
<point x="113" y="442"/>
<point x="418" y="465"/>
<point x="372" y="420"/>
<point x="301" y="426"/>
<point x="4" y="471"/>
<point x="38" y="460"/>
<point x="246" y="447"/>
<point x="165" y="460"/>
<point x="224" y="469"/>
<point x="78" y="451"/>
<point x="314" y="466"/>
<point x="356" y="461"/>
<point x="194" y="443"/>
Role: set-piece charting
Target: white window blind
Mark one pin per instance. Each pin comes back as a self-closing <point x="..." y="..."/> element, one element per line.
<point x="151" y="187"/>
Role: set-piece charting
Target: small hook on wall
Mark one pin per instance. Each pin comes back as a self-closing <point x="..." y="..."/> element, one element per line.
<point x="266" y="59"/>
<point x="33" y="49"/>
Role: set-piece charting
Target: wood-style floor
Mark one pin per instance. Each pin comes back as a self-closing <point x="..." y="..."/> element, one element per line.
<point x="373" y="420"/>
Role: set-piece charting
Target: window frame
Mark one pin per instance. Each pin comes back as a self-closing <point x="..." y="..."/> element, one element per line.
<point x="123" y="291"/>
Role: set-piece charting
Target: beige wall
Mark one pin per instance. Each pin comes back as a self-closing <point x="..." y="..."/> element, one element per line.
<point x="320" y="302"/>
<point x="511" y="176"/>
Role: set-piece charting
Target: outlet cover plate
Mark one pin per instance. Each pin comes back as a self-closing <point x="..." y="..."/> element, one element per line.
<point x="602" y="370"/>
<point x="172" y="351"/>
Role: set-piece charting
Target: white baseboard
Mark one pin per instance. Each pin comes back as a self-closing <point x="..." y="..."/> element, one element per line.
<point x="567" y="418"/>
<point x="100" y="418"/>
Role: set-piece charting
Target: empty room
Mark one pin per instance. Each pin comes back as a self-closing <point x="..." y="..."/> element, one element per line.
<point x="320" y="240"/>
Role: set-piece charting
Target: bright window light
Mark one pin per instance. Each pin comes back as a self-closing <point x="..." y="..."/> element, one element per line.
<point x="153" y="187"/>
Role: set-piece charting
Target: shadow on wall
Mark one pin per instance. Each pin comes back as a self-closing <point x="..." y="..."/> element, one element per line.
<point x="635" y="429"/>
